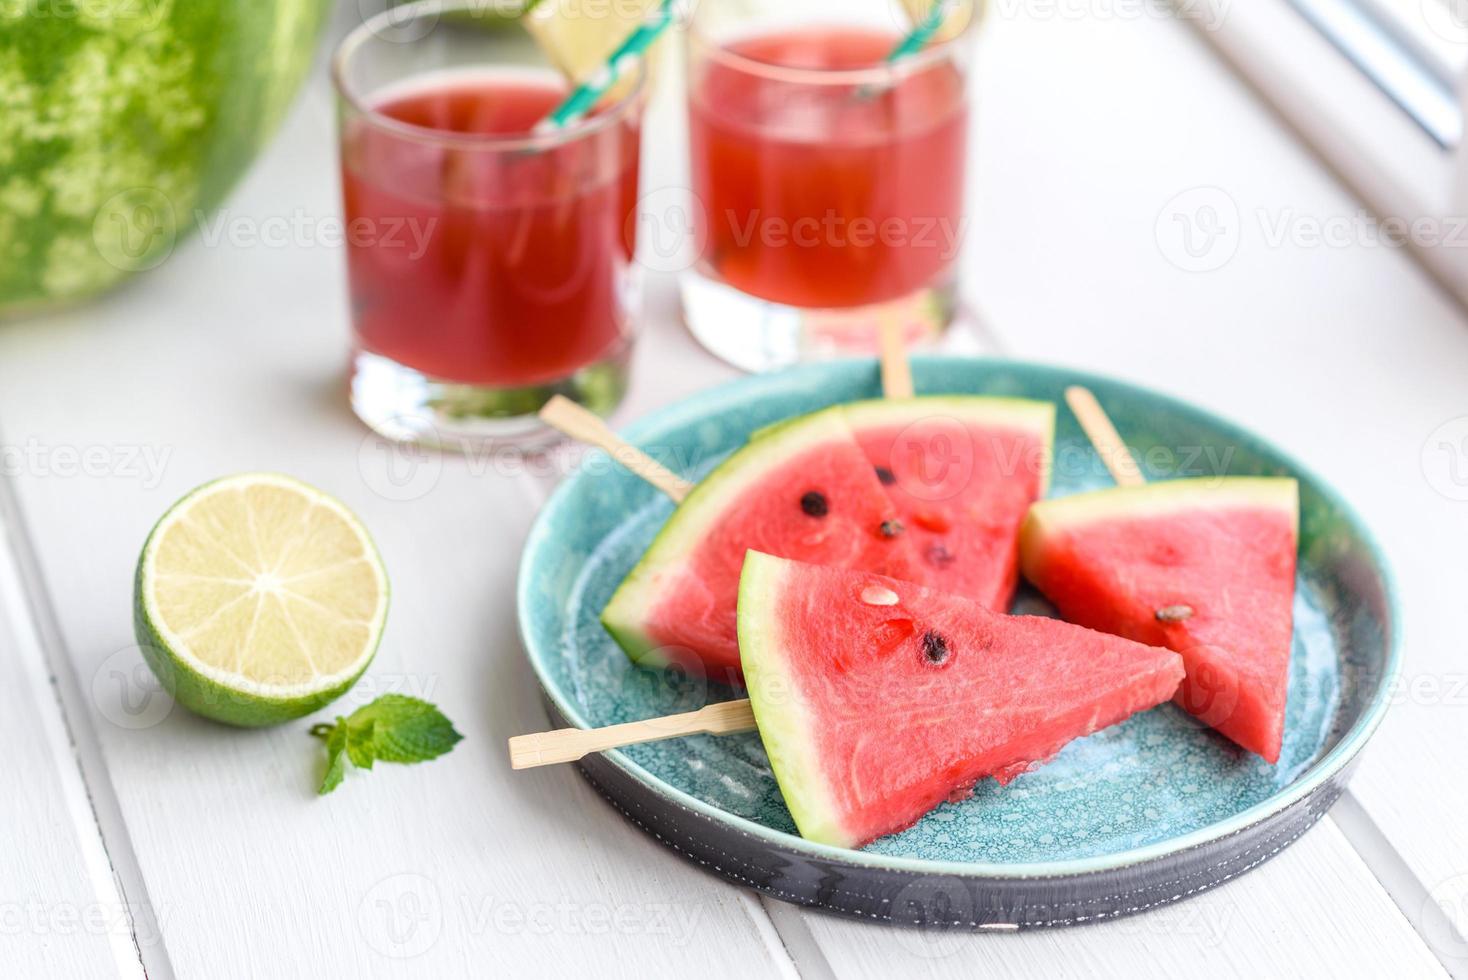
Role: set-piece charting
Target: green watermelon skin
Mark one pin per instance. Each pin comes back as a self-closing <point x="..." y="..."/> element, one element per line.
<point x="963" y="472"/>
<point x="1224" y="549"/>
<point x="677" y="607"/>
<point x="120" y="119"/>
<point x="866" y="731"/>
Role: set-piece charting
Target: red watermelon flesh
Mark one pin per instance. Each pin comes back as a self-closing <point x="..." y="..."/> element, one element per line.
<point x="879" y="699"/>
<point x="1203" y="567"/>
<point x="962" y="472"/>
<point x="804" y="490"/>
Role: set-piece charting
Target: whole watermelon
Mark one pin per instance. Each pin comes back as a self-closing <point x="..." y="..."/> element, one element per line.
<point x="120" y="119"/>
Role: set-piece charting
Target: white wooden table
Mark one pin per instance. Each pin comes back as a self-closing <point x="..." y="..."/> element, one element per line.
<point x="140" y="838"/>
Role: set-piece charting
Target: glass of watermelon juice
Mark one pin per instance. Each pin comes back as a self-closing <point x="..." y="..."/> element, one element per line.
<point x="490" y="266"/>
<point x="827" y="180"/>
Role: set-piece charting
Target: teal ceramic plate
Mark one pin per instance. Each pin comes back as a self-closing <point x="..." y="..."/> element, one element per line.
<point x="1139" y="814"/>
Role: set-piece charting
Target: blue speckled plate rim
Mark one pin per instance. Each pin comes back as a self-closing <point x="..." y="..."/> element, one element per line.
<point x="700" y="405"/>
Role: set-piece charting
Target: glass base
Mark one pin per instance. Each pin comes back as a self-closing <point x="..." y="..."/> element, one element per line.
<point x="757" y="335"/>
<point x="407" y="406"/>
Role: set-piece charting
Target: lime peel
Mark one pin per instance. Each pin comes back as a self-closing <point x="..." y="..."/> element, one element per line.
<point x="225" y="549"/>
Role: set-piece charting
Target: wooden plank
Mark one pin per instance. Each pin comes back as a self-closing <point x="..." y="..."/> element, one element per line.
<point x="60" y="911"/>
<point x="201" y="368"/>
<point x="1270" y="923"/>
<point x="229" y="358"/>
<point x="1300" y="325"/>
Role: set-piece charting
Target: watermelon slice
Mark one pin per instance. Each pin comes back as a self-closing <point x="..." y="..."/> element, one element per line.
<point x="1203" y="567"/>
<point x="963" y="472"/>
<point x="878" y="699"/>
<point x="803" y="490"/>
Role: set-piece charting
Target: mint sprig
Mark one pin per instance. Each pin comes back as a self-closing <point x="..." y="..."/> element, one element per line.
<point x="394" y="728"/>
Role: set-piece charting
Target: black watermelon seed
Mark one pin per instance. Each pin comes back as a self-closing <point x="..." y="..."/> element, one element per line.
<point x="814" y="504"/>
<point x="886" y="476"/>
<point x="890" y="529"/>
<point x="935" y="648"/>
<point x="939" y="555"/>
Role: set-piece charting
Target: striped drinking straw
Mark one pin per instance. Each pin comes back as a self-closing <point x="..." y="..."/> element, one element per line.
<point x="631" y="51"/>
<point x="924" y="31"/>
<point x="622" y="60"/>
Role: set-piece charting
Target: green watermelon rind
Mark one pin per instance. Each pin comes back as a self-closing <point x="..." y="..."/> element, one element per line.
<point x="690" y="523"/>
<point x="1020" y="413"/>
<point x="779" y="711"/>
<point x="1168" y="505"/>
<point x="1047" y="517"/>
<point x="770" y="446"/>
<point x="1026" y="414"/>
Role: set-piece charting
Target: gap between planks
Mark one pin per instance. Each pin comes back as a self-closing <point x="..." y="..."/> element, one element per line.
<point x="96" y="814"/>
<point x="1399" y="881"/>
<point x="1361" y="833"/>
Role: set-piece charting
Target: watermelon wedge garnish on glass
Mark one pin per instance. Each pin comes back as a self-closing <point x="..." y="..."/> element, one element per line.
<point x="1203" y="567"/>
<point x="963" y="472"/>
<point x="877" y="699"/>
<point x="804" y="489"/>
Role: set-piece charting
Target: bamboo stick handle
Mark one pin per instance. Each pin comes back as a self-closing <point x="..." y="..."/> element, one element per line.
<point x="571" y="744"/>
<point x="896" y="371"/>
<point x="1103" y="435"/>
<point x="584" y="426"/>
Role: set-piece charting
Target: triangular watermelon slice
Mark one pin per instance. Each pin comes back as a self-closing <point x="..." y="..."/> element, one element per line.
<point x="878" y="699"/>
<point x="963" y="471"/>
<point x="805" y="490"/>
<point x="1203" y="567"/>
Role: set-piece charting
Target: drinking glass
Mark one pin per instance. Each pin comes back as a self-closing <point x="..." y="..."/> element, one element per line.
<point x="828" y="181"/>
<point x="490" y="264"/>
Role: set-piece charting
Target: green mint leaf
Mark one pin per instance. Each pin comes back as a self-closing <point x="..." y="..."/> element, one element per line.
<point x="336" y="767"/>
<point x="405" y="729"/>
<point x="359" y="744"/>
<point x="394" y="728"/>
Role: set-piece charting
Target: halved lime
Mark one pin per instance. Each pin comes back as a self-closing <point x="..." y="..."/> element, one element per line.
<point x="259" y="599"/>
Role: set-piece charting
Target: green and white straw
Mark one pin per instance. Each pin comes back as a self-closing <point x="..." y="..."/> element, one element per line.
<point x="924" y="31"/>
<point x="625" y="58"/>
<point x="633" y="50"/>
<point x="917" y="39"/>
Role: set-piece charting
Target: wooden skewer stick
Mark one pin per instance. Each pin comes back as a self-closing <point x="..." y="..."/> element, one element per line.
<point x="585" y="426"/>
<point x="571" y="744"/>
<point x="727" y="718"/>
<point x="730" y="717"/>
<point x="896" y="371"/>
<point x="1103" y="435"/>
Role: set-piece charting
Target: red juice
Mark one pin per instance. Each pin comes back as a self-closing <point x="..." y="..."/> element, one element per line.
<point x="827" y="193"/>
<point x="475" y="263"/>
